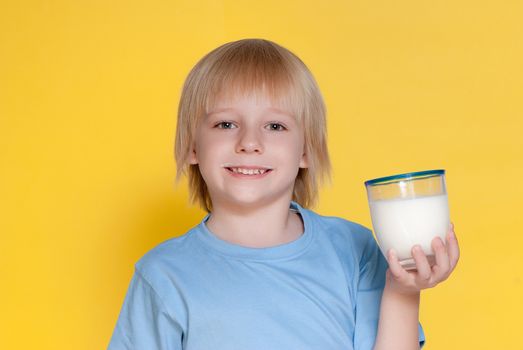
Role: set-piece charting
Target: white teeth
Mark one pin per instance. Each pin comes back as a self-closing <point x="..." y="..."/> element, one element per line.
<point x="248" y="171"/>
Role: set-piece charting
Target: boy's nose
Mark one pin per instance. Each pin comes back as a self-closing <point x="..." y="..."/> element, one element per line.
<point x="249" y="141"/>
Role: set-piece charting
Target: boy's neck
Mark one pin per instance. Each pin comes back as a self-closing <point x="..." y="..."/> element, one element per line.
<point x="257" y="227"/>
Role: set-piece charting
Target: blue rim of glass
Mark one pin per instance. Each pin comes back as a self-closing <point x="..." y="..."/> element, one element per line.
<point x="393" y="178"/>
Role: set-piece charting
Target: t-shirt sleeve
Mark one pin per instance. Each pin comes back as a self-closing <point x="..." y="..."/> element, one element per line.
<point x="144" y="322"/>
<point x="373" y="267"/>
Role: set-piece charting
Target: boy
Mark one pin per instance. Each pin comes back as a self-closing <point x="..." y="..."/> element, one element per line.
<point x="261" y="271"/>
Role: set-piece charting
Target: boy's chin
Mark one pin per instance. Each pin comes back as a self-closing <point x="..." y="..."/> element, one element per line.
<point x="246" y="202"/>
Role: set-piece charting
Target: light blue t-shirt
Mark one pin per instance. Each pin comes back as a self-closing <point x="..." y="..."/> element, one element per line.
<point x="198" y="292"/>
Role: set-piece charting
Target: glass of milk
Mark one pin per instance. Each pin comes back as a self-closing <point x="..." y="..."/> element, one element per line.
<point x="409" y="209"/>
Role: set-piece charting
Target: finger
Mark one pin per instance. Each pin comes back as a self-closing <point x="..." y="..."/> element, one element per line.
<point x="422" y="265"/>
<point x="452" y="247"/>
<point x="398" y="272"/>
<point x="442" y="267"/>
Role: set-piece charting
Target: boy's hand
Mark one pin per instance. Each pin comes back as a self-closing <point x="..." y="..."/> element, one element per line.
<point x="412" y="282"/>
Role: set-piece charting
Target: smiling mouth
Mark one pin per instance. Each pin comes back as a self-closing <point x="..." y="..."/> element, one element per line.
<point x="250" y="171"/>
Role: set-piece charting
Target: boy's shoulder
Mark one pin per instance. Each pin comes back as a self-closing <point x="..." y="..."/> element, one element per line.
<point x="342" y="232"/>
<point x="349" y="239"/>
<point x="173" y="253"/>
<point x="335" y="225"/>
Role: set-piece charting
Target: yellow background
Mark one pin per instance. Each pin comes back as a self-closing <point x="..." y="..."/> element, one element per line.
<point x="88" y="97"/>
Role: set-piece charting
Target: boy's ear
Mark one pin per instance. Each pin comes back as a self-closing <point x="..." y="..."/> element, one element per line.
<point x="192" y="156"/>
<point x="304" y="162"/>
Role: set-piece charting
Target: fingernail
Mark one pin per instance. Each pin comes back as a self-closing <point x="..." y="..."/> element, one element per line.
<point x="392" y="254"/>
<point x="452" y="235"/>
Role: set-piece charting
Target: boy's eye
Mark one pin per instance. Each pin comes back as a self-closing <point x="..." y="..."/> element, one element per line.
<point x="225" y="125"/>
<point x="276" y="127"/>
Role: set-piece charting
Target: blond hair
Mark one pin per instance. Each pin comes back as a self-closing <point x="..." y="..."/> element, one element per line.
<point x="254" y="66"/>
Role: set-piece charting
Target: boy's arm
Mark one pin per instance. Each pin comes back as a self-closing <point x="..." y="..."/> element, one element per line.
<point x="399" y="310"/>
<point x="398" y="324"/>
<point x="144" y="322"/>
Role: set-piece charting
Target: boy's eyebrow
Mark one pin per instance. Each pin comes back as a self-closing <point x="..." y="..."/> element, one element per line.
<point x="270" y="109"/>
<point x="220" y="110"/>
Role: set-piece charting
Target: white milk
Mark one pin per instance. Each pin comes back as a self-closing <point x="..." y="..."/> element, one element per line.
<point x="403" y="223"/>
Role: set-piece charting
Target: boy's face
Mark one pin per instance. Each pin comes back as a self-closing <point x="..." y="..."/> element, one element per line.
<point x="249" y="152"/>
